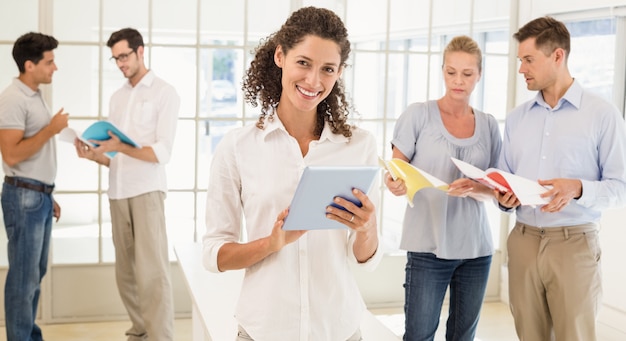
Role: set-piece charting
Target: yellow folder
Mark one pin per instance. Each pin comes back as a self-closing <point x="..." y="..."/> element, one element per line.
<point x="414" y="178"/>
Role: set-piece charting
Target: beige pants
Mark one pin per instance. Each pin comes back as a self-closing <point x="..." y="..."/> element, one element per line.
<point x="142" y="268"/>
<point x="554" y="282"/>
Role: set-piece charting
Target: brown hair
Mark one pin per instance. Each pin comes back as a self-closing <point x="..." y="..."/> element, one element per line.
<point x="131" y="35"/>
<point x="467" y="45"/>
<point x="262" y="81"/>
<point x="549" y="33"/>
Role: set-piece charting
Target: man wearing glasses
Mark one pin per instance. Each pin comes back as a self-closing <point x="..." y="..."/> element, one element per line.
<point x="146" y="108"/>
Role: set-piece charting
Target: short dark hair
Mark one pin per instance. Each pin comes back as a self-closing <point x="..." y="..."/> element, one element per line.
<point x="131" y="35"/>
<point x="548" y="32"/>
<point x="31" y="46"/>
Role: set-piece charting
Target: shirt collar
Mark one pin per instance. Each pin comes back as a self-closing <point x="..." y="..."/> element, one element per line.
<point x="24" y="88"/>
<point x="146" y="80"/>
<point x="277" y="125"/>
<point x="573" y="96"/>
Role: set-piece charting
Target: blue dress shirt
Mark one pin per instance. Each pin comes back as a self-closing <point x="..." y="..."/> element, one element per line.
<point x="582" y="137"/>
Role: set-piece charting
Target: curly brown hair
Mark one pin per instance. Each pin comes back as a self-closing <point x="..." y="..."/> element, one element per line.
<point x="262" y="81"/>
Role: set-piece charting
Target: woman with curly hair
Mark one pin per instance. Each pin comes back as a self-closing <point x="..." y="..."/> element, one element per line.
<point x="298" y="285"/>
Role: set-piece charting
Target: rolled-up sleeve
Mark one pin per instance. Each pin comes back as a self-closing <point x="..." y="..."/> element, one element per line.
<point x="166" y="130"/>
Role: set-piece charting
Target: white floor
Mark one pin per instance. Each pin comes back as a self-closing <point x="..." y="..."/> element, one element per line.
<point x="496" y="324"/>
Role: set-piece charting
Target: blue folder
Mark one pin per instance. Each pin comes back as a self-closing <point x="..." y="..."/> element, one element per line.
<point x="100" y="131"/>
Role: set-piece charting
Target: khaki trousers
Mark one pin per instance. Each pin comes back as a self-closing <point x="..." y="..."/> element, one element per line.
<point x="554" y="282"/>
<point x="142" y="267"/>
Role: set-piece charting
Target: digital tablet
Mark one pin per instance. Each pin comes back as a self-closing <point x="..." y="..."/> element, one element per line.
<point x="317" y="188"/>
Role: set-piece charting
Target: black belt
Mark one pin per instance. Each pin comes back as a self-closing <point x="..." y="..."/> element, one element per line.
<point x="13" y="181"/>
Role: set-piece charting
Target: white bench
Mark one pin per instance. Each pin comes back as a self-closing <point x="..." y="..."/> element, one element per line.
<point x="214" y="297"/>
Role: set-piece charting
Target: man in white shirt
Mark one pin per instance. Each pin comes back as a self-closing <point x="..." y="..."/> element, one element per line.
<point x="146" y="109"/>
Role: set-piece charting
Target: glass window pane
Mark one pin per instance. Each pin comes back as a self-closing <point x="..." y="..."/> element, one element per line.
<point x="396" y="83"/>
<point x="182" y="76"/>
<point x="592" y="56"/>
<point x="419" y="44"/>
<point x="417" y="80"/>
<point x="18" y="17"/>
<point x="494" y="83"/>
<point x="436" y="86"/>
<point x="174" y="29"/>
<point x="180" y="170"/>
<point x="407" y="82"/>
<point x="497" y="42"/>
<point x="366" y="85"/>
<point x="69" y="26"/>
<point x="222" y="22"/>
<point x="393" y="208"/>
<point x="76" y="82"/>
<point x="221" y="75"/>
<point x="75" y="237"/>
<point x="179" y="215"/>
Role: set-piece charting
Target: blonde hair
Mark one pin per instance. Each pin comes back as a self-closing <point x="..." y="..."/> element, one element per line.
<point x="467" y="45"/>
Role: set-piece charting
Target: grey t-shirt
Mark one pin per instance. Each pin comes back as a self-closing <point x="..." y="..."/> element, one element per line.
<point x="22" y="108"/>
<point x="447" y="226"/>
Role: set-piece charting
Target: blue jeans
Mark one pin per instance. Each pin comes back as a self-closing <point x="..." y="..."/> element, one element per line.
<point x="28" y="222"/>
<point x="427" y="279"/>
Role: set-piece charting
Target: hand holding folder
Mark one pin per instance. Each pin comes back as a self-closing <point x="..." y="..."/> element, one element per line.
<point x="98" y="131"/>
<point x="527" y="191"/>
<point x="414" y="178"/>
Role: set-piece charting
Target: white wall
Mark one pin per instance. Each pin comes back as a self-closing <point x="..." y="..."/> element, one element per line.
<point x="612" y="239"/>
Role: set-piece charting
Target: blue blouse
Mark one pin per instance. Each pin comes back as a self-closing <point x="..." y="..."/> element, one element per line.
<point x="449" y="227"/>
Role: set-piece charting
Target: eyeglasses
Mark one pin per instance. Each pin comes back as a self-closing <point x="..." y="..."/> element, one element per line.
<point x="122" y="57"/>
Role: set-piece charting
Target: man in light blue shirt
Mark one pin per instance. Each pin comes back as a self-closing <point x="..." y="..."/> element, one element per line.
<point x="574" y="143"/>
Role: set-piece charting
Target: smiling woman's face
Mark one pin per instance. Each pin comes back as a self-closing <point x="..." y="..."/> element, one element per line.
<point x="309" y="72"/>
